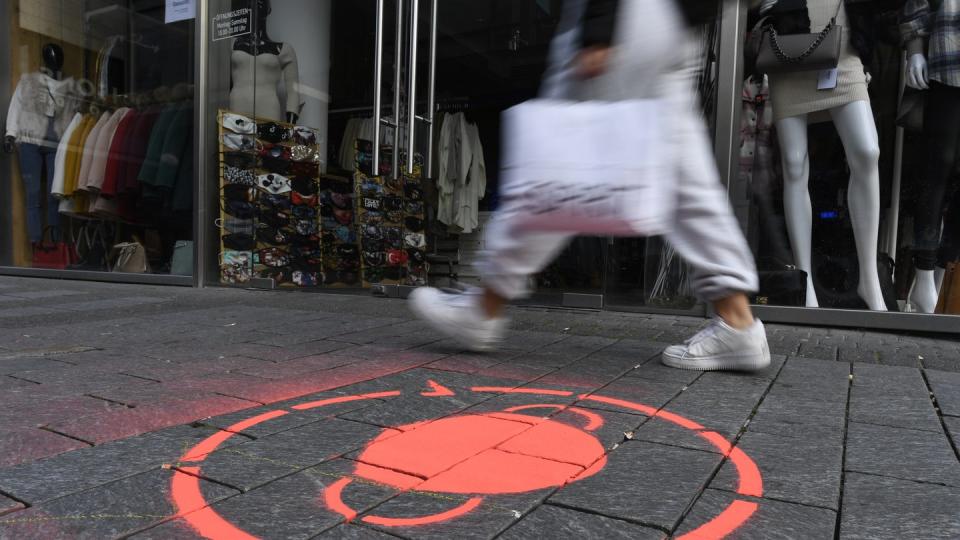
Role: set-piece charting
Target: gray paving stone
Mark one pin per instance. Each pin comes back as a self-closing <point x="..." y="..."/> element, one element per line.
<point x="640" y="391"/>
<point x="922" y="456"/>
<point x="410" y="409"/>
<point x="293" y="507"/>
<point x="494" y="514"/>
<point x="721" y="407"/>
<point x="644" y="482"/>
<point x="772" y="520"/>
<point x="112" y="510"/>
<point x="856" y="354"/>
<point x="817" y="350"/>
<point x="177" y="529"/>
<point x="946" y="388"/>
<point x="256" y="463"/>
<point x="8" y="505"/>
<point x="789" y="473"/>
<point x="953" y="428"/>
<point x="875" y="507"/>
<point x="892" y="396"/>
<point x="664" y="432"/>
<point x="566" y="524"/>
<point x="355" y="532"/>
<point x="86" y="468"/>
<point x="293" y="419"/>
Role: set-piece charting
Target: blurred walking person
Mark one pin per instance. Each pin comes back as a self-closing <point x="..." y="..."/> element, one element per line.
<point x="600" y="45"/>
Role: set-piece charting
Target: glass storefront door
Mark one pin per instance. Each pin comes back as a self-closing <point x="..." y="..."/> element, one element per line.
<point x="405" y="99"/>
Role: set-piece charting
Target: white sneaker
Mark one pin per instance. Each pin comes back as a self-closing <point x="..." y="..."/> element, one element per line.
<point x="722" y="347"/>
<point x="458" y="316"/>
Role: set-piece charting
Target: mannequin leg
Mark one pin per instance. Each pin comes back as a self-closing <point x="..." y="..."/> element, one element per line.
<point x="923" y="293"/>
<point x="935" y="222"/>
<point x="858" y="131"/>
<point x="792" y="133"/>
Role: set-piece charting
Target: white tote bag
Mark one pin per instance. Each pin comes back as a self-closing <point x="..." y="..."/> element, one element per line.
<point x="591" y="168"/>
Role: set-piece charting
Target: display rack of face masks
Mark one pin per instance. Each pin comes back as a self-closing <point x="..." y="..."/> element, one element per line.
<point x="270" y="202"/>
<point x="390" y="217"/>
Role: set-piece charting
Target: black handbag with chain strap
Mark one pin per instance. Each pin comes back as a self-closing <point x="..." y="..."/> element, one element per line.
<point x="800" y="52"/>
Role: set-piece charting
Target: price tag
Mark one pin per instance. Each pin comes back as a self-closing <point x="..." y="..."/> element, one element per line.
<point x="828" y="79"/>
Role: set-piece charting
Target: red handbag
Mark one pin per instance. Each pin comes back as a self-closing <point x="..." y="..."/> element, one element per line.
<point x="52" y="253"/>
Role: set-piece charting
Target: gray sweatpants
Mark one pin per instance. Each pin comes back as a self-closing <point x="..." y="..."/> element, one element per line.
<point x="653" y="59"/>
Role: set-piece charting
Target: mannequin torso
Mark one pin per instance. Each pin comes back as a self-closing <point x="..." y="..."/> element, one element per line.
<point x="257" y="66"/>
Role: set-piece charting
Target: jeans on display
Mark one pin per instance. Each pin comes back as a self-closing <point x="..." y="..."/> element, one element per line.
<point x="34" y="160"/>
<point x="654" y="61"/>
<point x="942" y="131"/>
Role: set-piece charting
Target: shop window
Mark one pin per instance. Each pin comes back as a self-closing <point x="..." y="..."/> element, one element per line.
<point x="99" y="130"/>
<point x="847" y="190"/>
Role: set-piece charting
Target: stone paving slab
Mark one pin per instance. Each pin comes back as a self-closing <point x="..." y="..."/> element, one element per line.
<point x="772" y="520"/>
<point x="255" y="463"/>
<point x="946" y="388"/>
<point x="876" y="507"/>
<point x="643" y="482"/>
<point x="567" y="524"/>
<point x="24" y="445"/>
<point x="112" y="510"/>
<point x="900" y="453"/>
<point x="789" y="473"/>
<point x="71" y="472"/>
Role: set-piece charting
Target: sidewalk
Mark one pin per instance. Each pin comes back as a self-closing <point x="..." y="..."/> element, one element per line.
<point x="150" y="412"/>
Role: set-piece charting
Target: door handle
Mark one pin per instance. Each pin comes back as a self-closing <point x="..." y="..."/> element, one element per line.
<point x="377" y="82"/>
<point x="412" y="111"/>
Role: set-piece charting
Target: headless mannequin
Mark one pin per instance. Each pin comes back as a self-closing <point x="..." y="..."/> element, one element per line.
<point x="943" y="133"/>
<point x="258" y="43"/>
<point x="53" y="67"/>
<point x="858" y="133"/>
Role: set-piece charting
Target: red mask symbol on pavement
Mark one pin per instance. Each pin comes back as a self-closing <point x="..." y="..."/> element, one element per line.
<point x="467" y="459"/>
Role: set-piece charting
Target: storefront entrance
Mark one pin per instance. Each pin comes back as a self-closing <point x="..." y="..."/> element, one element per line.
<point x="428" y="80"/>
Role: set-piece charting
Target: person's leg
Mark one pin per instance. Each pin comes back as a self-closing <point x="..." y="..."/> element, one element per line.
<point x="706" y="234"/>
<point x="31" y="172"/>
<point x="510" y="257"/>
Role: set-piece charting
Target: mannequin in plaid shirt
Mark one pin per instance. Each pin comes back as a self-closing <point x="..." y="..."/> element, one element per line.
<point x="931" y="34"/>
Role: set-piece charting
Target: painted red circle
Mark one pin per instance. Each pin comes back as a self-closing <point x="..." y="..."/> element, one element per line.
<point x="192" y="507"/>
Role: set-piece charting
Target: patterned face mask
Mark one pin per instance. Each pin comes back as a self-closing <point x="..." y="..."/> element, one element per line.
<point x="272" y="132"/>
<point x="306" y="227"/>
<point x="239" y="192"/>
<point x="239" y="242"/>
<point x="274" y="184"/>
<point x="233" y="175"/>
<point x="273" y="257"/>
<point x="240" y="160"/>
<point x="304" y="135"/>
<point x="239" y="124"/>
<point x="302" y="200"/>
<point x="276" y="165"/>
<point x="240" y="209"/>
<point x="236" y="226"/>
<point x="235" y="267"/>
<point x="306" y="279"/>
<point x="271" y="235"/>
<point x="239" y="142"/>
<point x="415" y="240"/>
<point x="305" y="168"/>
<point x="304" y="185"/>
<point x="413" y="224"/>
<point x="307" y="154"/>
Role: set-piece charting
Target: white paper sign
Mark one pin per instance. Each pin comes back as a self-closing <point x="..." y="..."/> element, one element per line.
<point x="180" y="10"/>
<point x="828" y="79"/>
